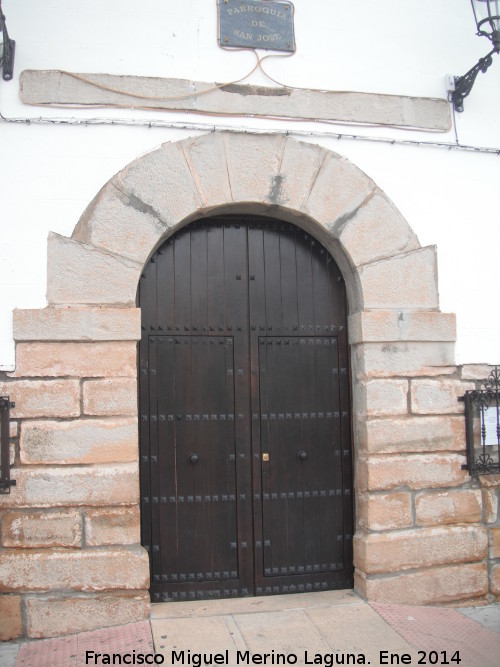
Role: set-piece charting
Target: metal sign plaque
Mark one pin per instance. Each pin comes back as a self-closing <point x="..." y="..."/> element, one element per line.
<point x="257" y="24"/>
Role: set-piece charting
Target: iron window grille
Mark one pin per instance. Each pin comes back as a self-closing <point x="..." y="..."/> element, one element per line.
<point x="5" y="481"/>
<point x="482" y="424"/>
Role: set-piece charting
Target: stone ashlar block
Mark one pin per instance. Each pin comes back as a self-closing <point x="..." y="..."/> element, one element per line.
<point x="43" y="570"/>
<point x="44" y="486"/>
<point x="424" y="547"/>
<point x="112" y="396"/>
<point x="434" y="585"/>
<point x="376" y="231"/>
<point x="374" y="326"/>
<point x="78" y="273"/>
<point x="412" y="434"/>
<point x="448" y="507"/>
<point x="415" y="471"/>
<point x="476" y="371"/>
<point x="11" y="622"/>
<point x="438" y="396"/>
<point x="495" y="580"/>
<point x="490" y="504"/>
<point x="337" y="192"/>
<point x="79" y="441"/>
<point x="392" y="283"/>
<point x="53" y="616"/>
<point x="77" y="323"/>
<point x="380" y="398"/>
<point x="119" y="223"/>
<point x="103" y="359"/>
<point x="43" y="398"/>
<point x="161" y="184"/>
<point x="494" y="542"/>
<point x="111" y="526"/>
<point x="403" y="358"/>
<point x="58" y="528"/>
<point x="384" y="511"/>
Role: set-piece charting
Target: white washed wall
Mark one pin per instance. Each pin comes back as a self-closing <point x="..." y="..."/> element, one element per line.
<point x="49" y="173"/>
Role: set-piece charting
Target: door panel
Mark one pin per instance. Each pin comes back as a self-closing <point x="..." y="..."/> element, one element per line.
<point x="244" y="354"/>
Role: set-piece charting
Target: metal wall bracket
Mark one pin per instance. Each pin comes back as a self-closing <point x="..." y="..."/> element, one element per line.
<point x="463" y="84"/>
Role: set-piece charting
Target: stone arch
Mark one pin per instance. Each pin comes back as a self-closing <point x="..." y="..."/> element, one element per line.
<point x="396" y="332"/>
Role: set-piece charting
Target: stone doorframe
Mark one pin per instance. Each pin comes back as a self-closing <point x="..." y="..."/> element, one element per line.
<point x="77" y="493"/>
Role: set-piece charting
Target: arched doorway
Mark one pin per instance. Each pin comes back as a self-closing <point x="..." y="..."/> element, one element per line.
<point x="246" y="471"/>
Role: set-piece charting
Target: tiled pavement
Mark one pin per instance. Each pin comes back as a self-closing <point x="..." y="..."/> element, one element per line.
<point x="306" y="625"/>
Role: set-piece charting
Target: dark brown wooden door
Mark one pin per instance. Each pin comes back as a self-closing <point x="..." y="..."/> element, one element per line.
<point x="245" y="451"/>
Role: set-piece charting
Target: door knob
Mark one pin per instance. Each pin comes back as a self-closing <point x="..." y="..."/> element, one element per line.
<point x="194" y="458"/>
<point x="302" y="455"/>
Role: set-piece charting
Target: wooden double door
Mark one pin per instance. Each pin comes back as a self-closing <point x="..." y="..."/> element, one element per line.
<point x="245" y="449"/>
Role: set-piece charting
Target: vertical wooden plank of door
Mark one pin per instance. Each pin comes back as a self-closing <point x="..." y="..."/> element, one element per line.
<point x="168" y="527"/>
<point x="155" y="553"/>
<point x="147" y="303"/>
<point x="236" y="304"/>
<point x="257" y="315"/>
<point x="293" y="471"/>
<point x="223" y="519"/>
<point x="182" y="282"/>
<point x="338" y="307"/>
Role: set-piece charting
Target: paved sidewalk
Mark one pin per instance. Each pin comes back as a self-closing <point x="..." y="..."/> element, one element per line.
<point x="318" y="628"/>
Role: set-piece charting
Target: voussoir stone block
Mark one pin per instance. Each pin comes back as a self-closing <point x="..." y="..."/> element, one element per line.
<point x="206" y="157"/>
<point x="384" y="511"/>
<point x="338" y="191"/>
<point x="77" y="323"/>
<point x="78" y="273"/>
<point x="111" y="396"/>
<point x="112" y="525"/>
<point x="44" y="486"/>
<point x="57" y="528"/>
<point x="253" y="165"/>
<point x="115" y="359"/>
<point x="53" y="616"/>
<point x="104" y="569"/>
<point x="433" y="585"/>
<point x="118" y="222"/>
<point x="424" y="547"/>
<point x="300" y="166"/>
<point x="79" y="441"/>
<point x="373" y="326"/>
<point x="403" y="281"/>
<point x="438" y="396"/>
<point x="412" y="434"/>
<point x="448" y="507"/>
<point x="43" y="398"/>
<point x="161" y="184"/>
<point x="416" y="471"/>
<point x="376" y="231"/>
